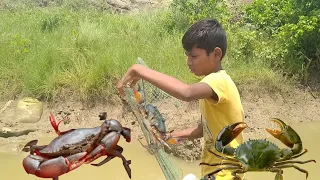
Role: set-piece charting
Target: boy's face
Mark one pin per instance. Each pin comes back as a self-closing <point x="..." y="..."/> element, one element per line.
<point x="202" y="64"/>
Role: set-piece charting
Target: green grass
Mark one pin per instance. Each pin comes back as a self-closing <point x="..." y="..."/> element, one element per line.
<point x="44" y="51"/>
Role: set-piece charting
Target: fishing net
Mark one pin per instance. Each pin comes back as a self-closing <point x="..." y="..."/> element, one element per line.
<point x="143" y="101"/>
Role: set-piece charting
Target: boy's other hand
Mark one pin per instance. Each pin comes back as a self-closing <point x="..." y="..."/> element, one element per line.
<point x="130" y="79"/>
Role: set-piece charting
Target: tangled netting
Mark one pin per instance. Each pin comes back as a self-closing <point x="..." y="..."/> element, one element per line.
<point x="142" y="102"/>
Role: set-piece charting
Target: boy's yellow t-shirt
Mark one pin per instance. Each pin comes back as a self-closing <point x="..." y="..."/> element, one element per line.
<point x="216" y="115"/>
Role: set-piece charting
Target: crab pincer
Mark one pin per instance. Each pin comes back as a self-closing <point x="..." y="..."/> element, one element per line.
<point x="227" y="134"/>
<point x="286" y="135"/>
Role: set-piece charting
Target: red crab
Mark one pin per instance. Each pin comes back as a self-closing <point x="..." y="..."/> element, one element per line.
<point x="75" y="147"/>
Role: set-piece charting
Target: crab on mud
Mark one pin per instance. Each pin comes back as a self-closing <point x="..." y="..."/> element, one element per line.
<point x="258" y="155"/>
<point x="75" y="147"/>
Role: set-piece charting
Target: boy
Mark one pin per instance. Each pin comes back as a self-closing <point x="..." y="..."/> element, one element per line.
<point x="205" y="44"/>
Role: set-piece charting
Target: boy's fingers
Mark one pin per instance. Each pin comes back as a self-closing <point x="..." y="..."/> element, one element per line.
<point x="121" y="92"/>
<point x="120" y="88"/>
<point x="134" y="82"/>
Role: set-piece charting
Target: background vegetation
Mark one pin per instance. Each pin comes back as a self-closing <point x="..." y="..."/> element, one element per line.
<point x="72" y="47"/>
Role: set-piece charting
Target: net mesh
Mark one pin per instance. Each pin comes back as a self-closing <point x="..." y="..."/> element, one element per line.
<point x="151" y="95"/>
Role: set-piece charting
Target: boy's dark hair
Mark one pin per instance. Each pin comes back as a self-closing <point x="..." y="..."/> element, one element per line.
<point x="205" y="34"/>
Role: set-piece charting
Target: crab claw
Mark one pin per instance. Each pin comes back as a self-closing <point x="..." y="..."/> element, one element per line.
<point x="29" y="147"/>
<point x="126" y="133"/>
<point x="286" y="134"/>
<point x="227" y="134"/>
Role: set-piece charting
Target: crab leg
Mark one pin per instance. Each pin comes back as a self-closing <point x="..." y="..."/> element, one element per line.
<point x="56" y="126"/>
<point x="222" y="157"/>
<point x="294" y="166"/>
<point x="107" y="159"/>
<point x="124" y="161"/>
<point x="237" y="171"/>
<point x="299" y="162"/>
<point x="109" y="142"/>
<point x="118" y="148"/>
<point x="109" y="147"/>
<point x="298" y="155"/>
<point x="221" y="163"/>
<point x="220" y="169"/>
<point x="279" y="173"/>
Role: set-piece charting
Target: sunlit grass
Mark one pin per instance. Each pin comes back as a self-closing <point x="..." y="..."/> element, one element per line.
<point x="45" y="50"/>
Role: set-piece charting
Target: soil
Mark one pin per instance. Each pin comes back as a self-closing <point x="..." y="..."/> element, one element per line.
<point x="294" y="106"/>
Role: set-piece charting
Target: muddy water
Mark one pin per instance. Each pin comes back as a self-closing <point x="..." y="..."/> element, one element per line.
<point x="310" y="136"/>
<point x="144" y="166"/>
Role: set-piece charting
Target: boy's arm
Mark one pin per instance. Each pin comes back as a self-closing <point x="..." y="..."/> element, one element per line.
<point x="190" y="133"/>
<point x="170" y="85"/>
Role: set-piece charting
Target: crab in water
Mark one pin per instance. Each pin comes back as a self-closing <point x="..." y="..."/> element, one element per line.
<point x="75" y="147"/>
<point x="258" y="155"/>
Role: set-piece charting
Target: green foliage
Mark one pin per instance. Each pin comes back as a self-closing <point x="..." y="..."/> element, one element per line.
<point x="270" y="15"/>
<point x="186" y="12"/>
<point x="294" y="26"/>
<point x="50" y="22"/>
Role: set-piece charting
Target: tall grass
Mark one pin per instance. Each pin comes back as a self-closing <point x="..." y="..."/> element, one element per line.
<point x="45" y="51"/>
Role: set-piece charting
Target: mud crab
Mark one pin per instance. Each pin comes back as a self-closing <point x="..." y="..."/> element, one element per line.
<point x="157" y="121"/>
<point x="75" y="147"/>
<point x="258" y="155"/>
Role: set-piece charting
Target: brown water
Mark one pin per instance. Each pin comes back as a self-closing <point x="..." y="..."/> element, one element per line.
<point x="144" y="166"/>
<point x="310" y="136"/>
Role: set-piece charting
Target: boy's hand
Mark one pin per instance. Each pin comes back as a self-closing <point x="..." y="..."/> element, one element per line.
<point x="130" y="79"/>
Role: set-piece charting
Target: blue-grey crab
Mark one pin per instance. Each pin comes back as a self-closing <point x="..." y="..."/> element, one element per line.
<point x="156" y="118"/>
<point x="258" y="155"/>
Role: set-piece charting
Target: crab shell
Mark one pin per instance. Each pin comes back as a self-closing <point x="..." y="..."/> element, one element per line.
<point x="80" y="140"/>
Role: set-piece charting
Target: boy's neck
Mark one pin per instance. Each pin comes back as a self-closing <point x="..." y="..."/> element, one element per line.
<point x="216" y="69"/>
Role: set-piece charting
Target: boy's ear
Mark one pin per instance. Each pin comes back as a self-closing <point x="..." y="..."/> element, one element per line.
<point x="217" y="53"/>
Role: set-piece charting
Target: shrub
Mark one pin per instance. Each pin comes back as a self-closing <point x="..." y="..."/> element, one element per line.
<point x="189" y="11"/>
<point x="295" y="25"/>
